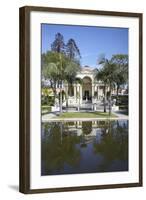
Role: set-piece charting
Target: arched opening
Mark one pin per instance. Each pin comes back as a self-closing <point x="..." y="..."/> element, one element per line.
<point x="87" y="89"/>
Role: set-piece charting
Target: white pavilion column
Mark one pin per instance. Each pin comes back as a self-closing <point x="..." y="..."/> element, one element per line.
<point x="95" y="89"/>
<point x="92" y="92"/>
<point x="66" y="89"/>
<point x="78" y="91"/>
<point x="80" y="94"/>
<point x="100" y="91"/>
<point x="67" y="95"/>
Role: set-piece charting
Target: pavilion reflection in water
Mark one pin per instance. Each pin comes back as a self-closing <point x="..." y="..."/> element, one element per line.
<point x="69" y="146"/>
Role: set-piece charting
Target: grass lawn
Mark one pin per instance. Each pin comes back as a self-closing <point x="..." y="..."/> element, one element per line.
<point x="85" y="115"/>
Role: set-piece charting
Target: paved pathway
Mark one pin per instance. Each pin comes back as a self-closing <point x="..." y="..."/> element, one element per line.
<point x="48" y="116"/>
<point x="120" y="114"/>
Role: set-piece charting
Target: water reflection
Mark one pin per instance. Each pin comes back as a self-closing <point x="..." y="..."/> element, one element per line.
<point x="84" y="147"/>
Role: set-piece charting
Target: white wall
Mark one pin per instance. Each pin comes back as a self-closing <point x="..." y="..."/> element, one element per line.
<point x="9" y="63"/>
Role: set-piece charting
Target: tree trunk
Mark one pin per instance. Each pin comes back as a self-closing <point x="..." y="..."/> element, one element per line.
<point x="117" y="93"/>
<point x="110" y="101"/>
<point x="104" y="100"/>
<point x="55" y="93"/>
<point x="79" y="99"/>
<point x="67" y="100"/>
<point x="61" y="97"/>
<point x="60" y="83"/>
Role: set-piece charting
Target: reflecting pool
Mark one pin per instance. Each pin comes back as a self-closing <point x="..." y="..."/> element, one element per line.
<point x="73" y="147"/>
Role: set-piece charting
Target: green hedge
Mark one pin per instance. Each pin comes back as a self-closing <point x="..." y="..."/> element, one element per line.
<point x="48" y="100"/>
<point x="121" y="100"/>
<point x="45" y="109"/>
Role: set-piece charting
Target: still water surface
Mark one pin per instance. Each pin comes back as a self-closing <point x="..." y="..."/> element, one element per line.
<point x="84" y="147"/>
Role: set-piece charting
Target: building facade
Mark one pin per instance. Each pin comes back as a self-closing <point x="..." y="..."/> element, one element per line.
<point x="87" y="91"/>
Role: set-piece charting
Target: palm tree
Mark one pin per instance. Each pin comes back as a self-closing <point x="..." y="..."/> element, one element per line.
<point x="70" y="73"/>
<point x="53" y="66"/>
<point x="50" y="69"/>
<point x="107" y="75"/>
<point x="101" y="76"/>
<point x="121" y="62"/>
<point x="61" y="64"/>
<point x="58" y="68"/>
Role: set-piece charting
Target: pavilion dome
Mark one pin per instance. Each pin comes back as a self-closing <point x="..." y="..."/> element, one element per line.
<point x="87" y="68"/>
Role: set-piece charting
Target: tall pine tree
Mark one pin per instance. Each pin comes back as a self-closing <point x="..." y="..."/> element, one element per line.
<point x="58" y="45"/>
<point x="72" y="50"/>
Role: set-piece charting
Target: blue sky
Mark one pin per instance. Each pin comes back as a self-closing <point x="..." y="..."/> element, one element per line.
<point x="92" y="41"/>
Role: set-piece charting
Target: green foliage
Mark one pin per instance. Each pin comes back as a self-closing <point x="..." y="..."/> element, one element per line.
<point x="57" y="67"/>
<point x="71" y="70"/>
<point x="59" y="148"/>
<point x="45" y="109"/>
<point x="60" y="65"/>
<point x="62" y="62"/>
<point x="114" y="71"/>
<point x="121" y="62"/>
<point x="114" y="145"/>
<point x="47" y="100"/>
<point x="107" y="72"/>
<point x="78" y="81"/>
<point x="121" y="100"/>
<point x="86" y="127"/>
